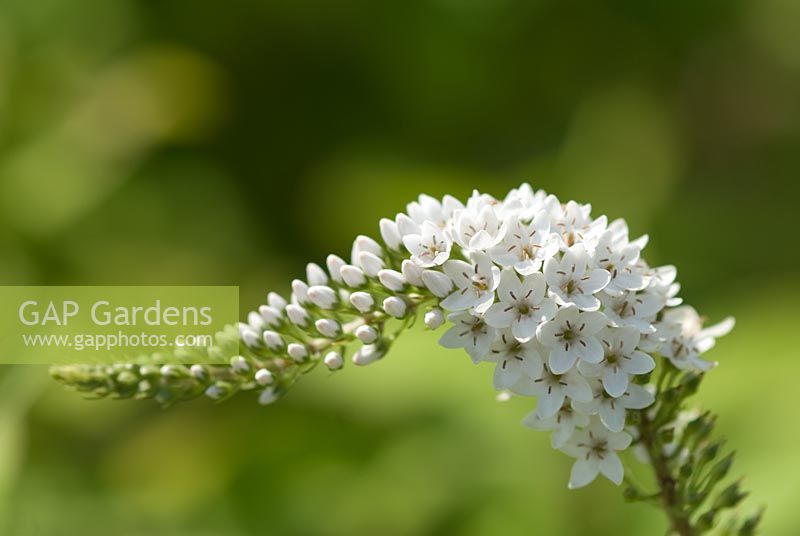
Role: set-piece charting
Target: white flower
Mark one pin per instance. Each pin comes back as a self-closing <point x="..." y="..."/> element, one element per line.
<point x="612" y="410"/>
<point x="475" y="283"/>
<point x="553" y="389"/>
<point x="621" y="359"/>
<point x="685" y="347"/>
<point x="470" y="332"/>
<point x="431" y="247"/>
<point x="562" y="424"/>
<point x="595" y="451"/>
<point x="633" y="309"/>
<point x="620" y="260"/>
<point x="514" y="359"/>
<point x="526" y="245"/>
<point x="571" y="336"/>
<point x="478" y="230"/>
<point x="574" y="224"/>
<point x="522" y="305"/>
<point x="572" y="282"/>
<point x="428" y="208"/>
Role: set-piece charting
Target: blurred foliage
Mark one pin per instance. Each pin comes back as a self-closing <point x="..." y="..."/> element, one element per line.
<point x="194" y="142"/>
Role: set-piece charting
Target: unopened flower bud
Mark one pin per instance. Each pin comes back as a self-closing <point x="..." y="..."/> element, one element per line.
<point x="333" y="360"/>
<point x="390" y="234"/>
<point x="199" y="372"/>
<point x="218" y="390"/>
<point x="316" y="275"/>
<point x="370" y="263"/>
<point x="328" y="327"/>
<point x="273" y="340"/>
<point x="256" y="321"/>
<point x="369" y="353"/>
<point x="362" y="301"/>
<point x="392" y="279"/>
<point x="267" y="396"/>
<point x="239" y="364"/>
<point x="300" y="291"/>
<point x="412" y="272"/>
<point x="270" y="315"/>
<point x="297" y="351"/>
<point x="366" y="334"/>
<point x="365" y="243"/>
<point x="264" y="377"/>
<point x="335" y="264"/>
<point x="322" y="296"/>
<point x="248" y="335"/>
<point x="276" y="300"/>
<point x="434" y="318"/>
<point x="406" y="225"/>
<point x="437" y="282"/>
<point x="395" y="306"/>
<point x="353" y="276"/>
<point x="297" y="315"/>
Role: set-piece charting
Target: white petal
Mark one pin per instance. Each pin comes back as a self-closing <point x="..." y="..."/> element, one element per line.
<point x="459" y="271"/>
<point x="536" y="285"/>
<point x="613" y="418"/>
<point x="594" y="322"/>
<point x="550" y="404"/>
<point x="561" y="360"/>
<point x="611" y="467"/>
<point x="458" y="301"/>
<point x="638" y="363"/>
<point x="497" y="316"/>
<point x="615" y="381"/>
<point x="597" y="280"/>
<point x="619" y="441"/>
<point x="523" y="327"/>
<point x="510" y="289"/>
<point x="583" y="472"/>
<point x="506" y="376"/>
<point x="590" y="349"/>
<point x="637" y="397"/>
<point x="719" y="330"/>
<point x="578" y="388"/>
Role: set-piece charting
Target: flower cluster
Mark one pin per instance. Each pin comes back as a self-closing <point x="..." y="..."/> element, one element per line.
<point x="560" y="302"/>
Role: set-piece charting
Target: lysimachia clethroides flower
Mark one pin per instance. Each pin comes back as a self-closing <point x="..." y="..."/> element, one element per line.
<point x="560" y="303"/>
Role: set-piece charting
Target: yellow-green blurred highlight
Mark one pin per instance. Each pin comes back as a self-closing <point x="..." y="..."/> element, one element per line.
<point x="180" y="142"/>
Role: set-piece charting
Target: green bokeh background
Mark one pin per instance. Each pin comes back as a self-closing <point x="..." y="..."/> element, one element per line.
<point x="186" y="142"/>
